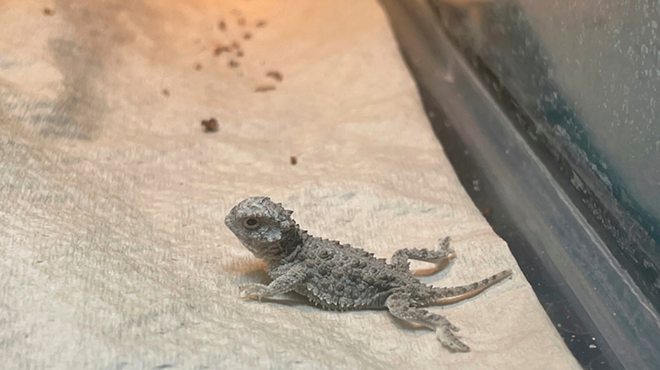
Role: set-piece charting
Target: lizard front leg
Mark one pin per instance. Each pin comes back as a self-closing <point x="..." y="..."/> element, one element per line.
<point x="281" y="285"/>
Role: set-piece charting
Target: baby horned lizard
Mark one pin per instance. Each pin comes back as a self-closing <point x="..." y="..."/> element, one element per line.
<point x="340" y="277"/>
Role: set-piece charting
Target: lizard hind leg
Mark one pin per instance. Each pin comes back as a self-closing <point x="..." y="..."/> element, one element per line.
<point x="459" y="293"/>
<point x="399" y="306"/>
<point x="442" y="254"/>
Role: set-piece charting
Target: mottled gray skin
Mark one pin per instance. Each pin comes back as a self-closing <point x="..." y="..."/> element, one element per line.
<point x="337" y="276"/>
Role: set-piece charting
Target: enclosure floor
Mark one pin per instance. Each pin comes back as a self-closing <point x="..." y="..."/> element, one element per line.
<point x="112" y="197"/>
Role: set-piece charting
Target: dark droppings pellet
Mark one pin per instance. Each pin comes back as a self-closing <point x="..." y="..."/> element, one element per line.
<point x="211" y="125"/>
<point x="264" y="88"/>
<point x="275" y="75"/>
<point x="293" y="160"/>
<point x="221" y="49"/>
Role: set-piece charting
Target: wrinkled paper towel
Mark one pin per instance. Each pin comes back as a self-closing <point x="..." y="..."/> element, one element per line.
<point x="114" y="254"/>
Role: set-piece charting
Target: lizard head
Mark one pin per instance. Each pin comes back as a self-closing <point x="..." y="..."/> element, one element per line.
<point x="260" y="225"/>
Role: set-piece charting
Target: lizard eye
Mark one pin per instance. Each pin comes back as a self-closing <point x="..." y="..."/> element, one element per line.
<point x="250" y="223"/>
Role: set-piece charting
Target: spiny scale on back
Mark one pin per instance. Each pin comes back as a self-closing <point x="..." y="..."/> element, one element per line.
<point x="340" y="277"/>
<point x="343" y="277"/>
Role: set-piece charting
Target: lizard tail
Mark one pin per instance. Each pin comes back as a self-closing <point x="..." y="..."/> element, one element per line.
<point x="459" y="293"/>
